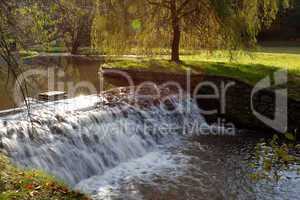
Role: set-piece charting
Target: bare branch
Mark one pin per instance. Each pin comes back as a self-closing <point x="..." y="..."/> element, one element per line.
<point x="182" y="6"/>
<point x="163" y="3"/>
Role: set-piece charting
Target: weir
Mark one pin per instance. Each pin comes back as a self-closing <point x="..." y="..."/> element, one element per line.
<point x="78" y="138"/>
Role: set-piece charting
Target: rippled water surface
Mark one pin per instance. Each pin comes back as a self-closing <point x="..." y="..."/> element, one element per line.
<point x="198" y="168"/>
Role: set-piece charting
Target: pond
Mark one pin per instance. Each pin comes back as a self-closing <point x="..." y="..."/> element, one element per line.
<point x="77" y="75"/>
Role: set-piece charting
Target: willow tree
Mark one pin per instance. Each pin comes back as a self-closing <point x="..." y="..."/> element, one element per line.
<point x="74" y="18"/>
<point x="21" y="24"/>
<point x="215" y="24"/>
<point x="10" y="33"/>
<point x="117" y="24"/>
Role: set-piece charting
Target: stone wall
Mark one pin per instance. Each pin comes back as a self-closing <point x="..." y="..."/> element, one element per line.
<point x="238" y="98"/>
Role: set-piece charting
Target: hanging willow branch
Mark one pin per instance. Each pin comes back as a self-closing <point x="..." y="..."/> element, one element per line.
<point x="8" y="26"/>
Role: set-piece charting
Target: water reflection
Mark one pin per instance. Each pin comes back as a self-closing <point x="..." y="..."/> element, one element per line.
<point x="199" y="168"/>
<point x="75" y="75"/>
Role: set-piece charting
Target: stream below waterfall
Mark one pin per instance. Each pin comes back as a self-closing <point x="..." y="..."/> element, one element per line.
<point x="110" y="152"/>
<point x="202" y="168"/>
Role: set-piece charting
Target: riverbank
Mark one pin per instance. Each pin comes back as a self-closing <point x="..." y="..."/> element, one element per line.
<point x="16" y="183"/>
<point x="249" y="68"/>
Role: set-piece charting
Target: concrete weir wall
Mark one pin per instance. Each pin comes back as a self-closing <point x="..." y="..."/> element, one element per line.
<point x="234" y="108"/>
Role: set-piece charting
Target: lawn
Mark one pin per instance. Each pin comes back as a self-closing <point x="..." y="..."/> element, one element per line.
<point x="249" y="67"/>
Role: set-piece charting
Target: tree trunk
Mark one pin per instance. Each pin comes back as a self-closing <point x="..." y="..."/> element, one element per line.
<point x="175" y="44"/>
<point x="76" y="41"/>
<point x="176" y="33"/>
<point x="75" y="46"/>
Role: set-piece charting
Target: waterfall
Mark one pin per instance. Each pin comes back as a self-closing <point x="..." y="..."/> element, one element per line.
<point x="75" y="140"/>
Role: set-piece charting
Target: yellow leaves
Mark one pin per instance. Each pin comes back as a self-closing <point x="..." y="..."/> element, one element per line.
<point x="100" y="22"/>
<point x="257" y="176"/>
<point x="286" y="4"/>
<point x="275" y="156"/>
<point x="133" y="9"/>
<point x="268" y="165"/>
<point x="290" y="136"/>
<point x="56" y="188"/>
<point x="16" y="184"/>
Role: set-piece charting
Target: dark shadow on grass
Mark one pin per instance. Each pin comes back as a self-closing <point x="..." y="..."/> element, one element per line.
<point x="247" y="72"/>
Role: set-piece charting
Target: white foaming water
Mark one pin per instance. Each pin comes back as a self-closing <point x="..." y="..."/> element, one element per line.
<point x="75" y="140"/>
<point x="107" y="185"/>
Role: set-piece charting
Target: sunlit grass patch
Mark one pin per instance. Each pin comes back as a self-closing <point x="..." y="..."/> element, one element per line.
<point x="289" y="61"/>
<point x="153" y="64"/>
<point x="249" y="67"/>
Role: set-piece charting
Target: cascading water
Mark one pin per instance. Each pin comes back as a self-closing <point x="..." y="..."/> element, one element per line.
<point x="112" y="147"/>
<point x="81" y="140"/>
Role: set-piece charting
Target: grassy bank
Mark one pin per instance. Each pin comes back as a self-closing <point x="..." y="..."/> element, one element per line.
<point x="248" y="67"/>
<point x="35" y="185"/>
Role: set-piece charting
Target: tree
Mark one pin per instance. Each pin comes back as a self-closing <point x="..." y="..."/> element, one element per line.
<point x="244" y="17"/>
<point x="74" y="22"/>
<point x="114" y="28"/>
<point x="68" y="21"/>
<point x="286" y="26"/>
<point x="222" y="24"/>
<point x="10" y="31"/>
<point x="178" y="10"/>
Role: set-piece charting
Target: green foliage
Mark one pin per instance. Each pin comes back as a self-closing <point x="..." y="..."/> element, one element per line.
<point x="38" y="26"/>
<point x="212" y="24"/>
<point x="118" y="25"/>
<point x="75" y="18"/>
<point x="27" y="54"/>
<point x="44" y="22"/>
<point x="275" y="157"/>
<point x="144" y="25"/>
<point x="136" y="24"/>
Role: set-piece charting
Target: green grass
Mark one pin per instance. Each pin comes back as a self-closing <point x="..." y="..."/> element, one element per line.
<point x="249" y="67"/>
<point x="263" y="57"/>
<point x="27" y="54"/>
<point x="51" y="49"/>
<point x="62" y="49"/>
<point x="35" y="185"/>
<point x="157" y="65"/>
